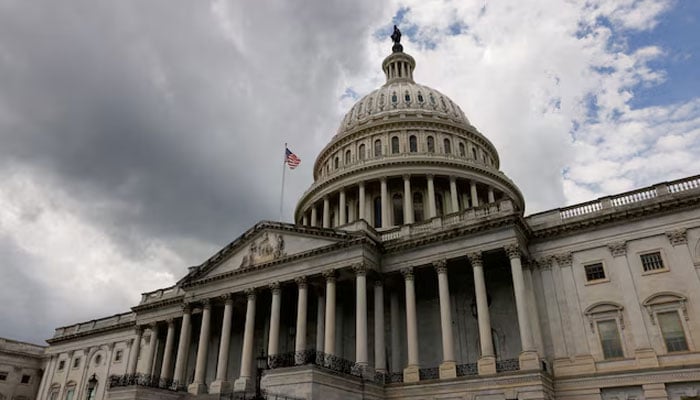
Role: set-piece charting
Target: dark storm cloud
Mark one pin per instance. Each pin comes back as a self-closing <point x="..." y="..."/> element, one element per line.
<point x="158" y="111"/>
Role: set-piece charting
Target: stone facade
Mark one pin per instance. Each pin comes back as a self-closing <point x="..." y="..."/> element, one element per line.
<point x="410" y="273"/>
<point x="21" y="369"/>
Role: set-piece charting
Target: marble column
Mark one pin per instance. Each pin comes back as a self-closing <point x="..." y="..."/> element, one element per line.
<point x="431" y="197"/>
<point x="487" y="361"/>
<point x="395" y="331"/>
<point x="343" y="218"/>
<point x="361" y="201"/>
<point x="529" y="359"/>
<point x="379" y="354"/>
<point x="200" y="367"/>
<point x="102" y="388"/>
<point x="407" y="200"/>
<point x="314" y="217"/>
<point x="47" y="376"/>
<point x="182" y="348"/>
<point x="245" y="382"/>
<point x="490" y="195"/>
<point x="222" y="384"/>
<point x="448" y="368"/>
<point x="410" y="373"/>
<point x="329" y="334"/>
<point x="166" y="366"/>
<point x="453" y="194"/>
<point x="326" y="212"/>
<point x="152" y="347"/>
<point x="302" y="305"/>
<point x="361" y="350"/>
<point x="385" y="202"/>
<point x="305" y="220"/>
<point x="474" y="194"/>
<point x="320" y="322"/>
<point x="133" y="353"/>
<point x="273" y="340"/>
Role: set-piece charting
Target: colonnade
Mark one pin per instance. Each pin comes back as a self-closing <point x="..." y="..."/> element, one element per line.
<point x="359" y="193"/>
<point x="326" y="328"/>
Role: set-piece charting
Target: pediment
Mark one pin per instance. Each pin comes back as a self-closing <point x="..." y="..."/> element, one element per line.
<point x="264" y="243"/>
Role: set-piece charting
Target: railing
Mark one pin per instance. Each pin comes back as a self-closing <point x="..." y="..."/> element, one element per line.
<point x="328" y="362"/>
<point x="467" y="369"/>
<point x="425" y="374"/>
<point x="151" y="381"/>
<point x="264" y="395"/>
<point x="512" y="364"/>
<point x="632" y="197"/>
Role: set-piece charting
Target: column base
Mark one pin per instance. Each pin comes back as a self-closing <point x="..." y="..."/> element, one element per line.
<point x="197" y="388"/>
<point x="529" y="361"/>
<point x="220" y="387"/>
<point x="411" y="374"/>
<point x="646" y="358"/>
<point x="448" y="370"/>
<point x="243" y="384"/>
<point x="487" y="365"/>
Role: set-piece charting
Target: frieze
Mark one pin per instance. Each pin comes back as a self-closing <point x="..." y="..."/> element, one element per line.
<point x="677" y="237"/>
<point x="267" y="248"/>
<point x="634" y="378"/>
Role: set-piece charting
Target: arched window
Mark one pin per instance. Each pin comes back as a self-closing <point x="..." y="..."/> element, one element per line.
<point x="462" y="152"/>
<point x="413" y="144"/>
<point x="397" y="203"/>
<point x="407" y="97"/>
<point x="448" y="146"/>
<point x="431" y="144"/>
<point x="417" y="207"/>
<point x="336" y="163"/>
<point x="395" y="145"/>
<point x="438" y="204"/>
<point x="347" y="157"/>
<point x="474" y="153"/>
<point x="377" y="212"/>
<point x="394" y="98"/>
<point x="377" y="148"/>
<point x="420" y="97"/>
<point x="362" y="152"/>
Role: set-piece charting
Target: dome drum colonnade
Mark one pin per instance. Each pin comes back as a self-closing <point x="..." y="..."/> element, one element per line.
<point x="370" y="169"/>
<point x="326" y="287"/>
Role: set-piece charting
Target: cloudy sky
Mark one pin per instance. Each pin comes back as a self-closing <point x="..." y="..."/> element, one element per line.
<point x="138" y="137"/>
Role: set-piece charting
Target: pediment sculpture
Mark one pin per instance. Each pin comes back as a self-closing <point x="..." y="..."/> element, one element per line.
<point x="266" y="248"/>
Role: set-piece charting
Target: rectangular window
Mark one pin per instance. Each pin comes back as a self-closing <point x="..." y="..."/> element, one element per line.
<point x="652" y="261"/>
<point x="610" y="339"/>
<point x="672" y="331"/>
<point x="76" y="362"/>
<point x="594" y="272"/>
<point x="26" y="379"/>
<point x="3" y="376"/>
<point x="61" y="365"/>
<point x="53" y="395"/>
<point x="118" y="356"/>
<point x="70" y="393"/>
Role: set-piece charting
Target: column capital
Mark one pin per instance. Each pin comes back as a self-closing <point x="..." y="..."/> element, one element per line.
<point x="138" y="329"/>
<point x="453" y="178"/>
<point x="206" y="304"/>
<point x="329" y="275"/>
<point x="475" y="259"/>
<point x="440" y="266"/>
<point x="564" y="259"/>
<point x="186" y="308"/>
<point x="429" y="176"/>
<point x="361" y="184"/>
<point x="618" y="249"/>
<point x="406" y="176"/>
<point x="360" y="269"/>
<point x="250" y="293"/>
<point x="301" y="282"/>
<point x="275" y="287"/>
<point x="407" y="273"/>
<point x="677" y="237"/>
<point x="544" y="263"/>
<point x="227" y="298"/>
<point x="379" y="283"/>
<point x="513" y="250"/>
<point x="382" y="179"/>
<point x="152" y="325"/>
<point x="170" y="322"/>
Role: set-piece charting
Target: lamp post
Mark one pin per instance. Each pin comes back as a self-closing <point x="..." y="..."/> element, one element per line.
<point x="262" y="365"/>
<point x="91" y="386"/>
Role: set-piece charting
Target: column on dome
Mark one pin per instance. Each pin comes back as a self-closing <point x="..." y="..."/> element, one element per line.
<point x="244" y="382"/>
<point x="410" y="373"/>
<point x="361" y="350"/>
<point x="314" y="217"/>
<point x="491" y="197"/>
<point x="182" y="347"/>
<point x="305" y="220"/>
<point x="431" y="197"/>
<point x="385" y="202"/>
<point x="134" y="352"/>
<point x="329" y="334"/>
<point x="326" y="212"/>
<point x="474" y="194"/>
<point x="200" y="368"/>
<point x="302" y="305"/>
<point x="453" y="194"/>
<point x="222" y="384"/>
<point x="487" y="361"/>
<point x="343" y="218"/>
<point x="529" y="359"/>
<point x="275" y="308"/>
<point x="379" y="354"/>
<point x="407" y="200"/>
<point x="448" y="368"/>
<point x="361" y="202"/>
<point x="152" y="347"/>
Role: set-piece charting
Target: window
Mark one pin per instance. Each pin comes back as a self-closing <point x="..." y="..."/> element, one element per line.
<point x="118" y="355"/>
<point x="610" y="339"/>
<point x="53" y="392"/>
<point x="413" y="144"/>
<point x="462" y="152"/>
<point x="431" y="144"/>
<point x="336" y="162"/>
<point x="361" y="152"/>
<point x="76" y="362"/>
<point x="474" y="153"/>
<point x="672" y="331"/>
<point x="397" y="202"/>
<point x="407" y="97"/>
<point x="377" y="148"/>
<point x="377" y="212"/>
<point x="394" y="145"/>
<point x="394" y="98"/>
<point x="594" y="272"/>
<point x="448" y="146"/>
<point x="3" y="376"/>
<point x="61" y="365"/>
<point x="420" y="97"/>
<point x="347" y="157"/>
<point x="70" y="393"/>
<point x="417" y="207"/>
<point x="26" y="379"/>
<point x="98" y="359"/>
<point x="652" y="261"/>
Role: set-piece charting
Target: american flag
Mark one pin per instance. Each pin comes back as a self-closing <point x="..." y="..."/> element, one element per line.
<point x="291" y="159"/>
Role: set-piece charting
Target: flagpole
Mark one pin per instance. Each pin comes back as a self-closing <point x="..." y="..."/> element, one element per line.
<point x="284" y="171"/>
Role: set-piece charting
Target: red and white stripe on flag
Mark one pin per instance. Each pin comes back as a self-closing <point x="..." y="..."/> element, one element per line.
<point x="291" y="159"/>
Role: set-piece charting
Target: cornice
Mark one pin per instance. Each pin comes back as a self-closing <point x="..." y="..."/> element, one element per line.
<point x="78" y="335"/>
<point x="159" y="303"/>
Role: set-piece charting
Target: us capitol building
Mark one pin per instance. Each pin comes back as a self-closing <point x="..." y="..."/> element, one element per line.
<point x="411" y="272"/>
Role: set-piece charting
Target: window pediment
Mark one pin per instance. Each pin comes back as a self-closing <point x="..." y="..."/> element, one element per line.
<point x="604" y="310"/>
<point x="665" y="301"/>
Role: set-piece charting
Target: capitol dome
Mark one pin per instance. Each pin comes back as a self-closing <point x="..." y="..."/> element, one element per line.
<point x="403" y="154"/>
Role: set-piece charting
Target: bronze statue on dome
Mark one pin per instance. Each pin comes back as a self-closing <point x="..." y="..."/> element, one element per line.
<point x="396" y="38"/>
